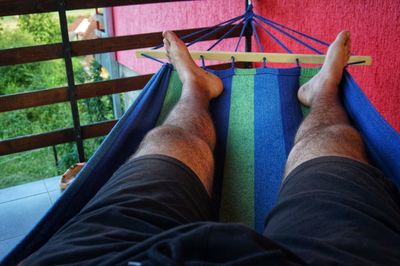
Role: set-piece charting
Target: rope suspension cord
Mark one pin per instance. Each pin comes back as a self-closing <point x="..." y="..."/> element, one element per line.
<point x="264" y="62"/>
<point x="256" y="36"/>
<point x="241" y="34"/>
<point x="222" y="24"/>
<point x="201" y="38"/>
<point x="225" y="35"/>
<point x="214" y="29"/>
<point x="298" y="32"/>
<point x="233" y="61"/>
<point x="152" y="58"/>
<point x="356" y="63"/>
<point x="288" y="34"/>
<point x="254" y="20"/>
<point x="203" y="64"/>
<point x="274" y="38"/>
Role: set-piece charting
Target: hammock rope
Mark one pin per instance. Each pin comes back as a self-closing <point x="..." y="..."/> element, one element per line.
<point x="262" y="19"/>
<point x="296" y="31"/>
<point x="226" y="34"/>
<point x="184" y="37"/>
<point x="241" y="34"/>
<point x="216" y="30"/>
<point x="256" y="35"/>
<point x="153" y="58"/>
<point x="274" y="38"/>
<point x="257" y="23"/>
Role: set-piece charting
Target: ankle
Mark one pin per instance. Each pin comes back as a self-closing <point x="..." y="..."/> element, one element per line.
<point x="327" y="79"/>
<point x="195" y="94"/>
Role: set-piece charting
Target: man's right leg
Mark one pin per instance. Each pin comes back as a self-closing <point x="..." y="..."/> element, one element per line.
<point x="333" y="207"/>
<point x="164" y="185"/>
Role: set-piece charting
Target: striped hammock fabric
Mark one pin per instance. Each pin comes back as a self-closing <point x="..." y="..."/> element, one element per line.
<point x="256" y="119"/>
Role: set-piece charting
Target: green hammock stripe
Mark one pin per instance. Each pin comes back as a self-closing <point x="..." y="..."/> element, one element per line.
<point x="305" y="75"/>
<point x="237" y="201"/>
<point x="171" y="98"/>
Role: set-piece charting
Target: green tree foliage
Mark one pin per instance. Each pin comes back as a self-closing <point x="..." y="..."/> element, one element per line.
<point x="94" y="109"/>
<point x="28" y="77"/>
<point x="42" y="75"/>
<point x="98" y="108"/>
<point x="43" y="27"/>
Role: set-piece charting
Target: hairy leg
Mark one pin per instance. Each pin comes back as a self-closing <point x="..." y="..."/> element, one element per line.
<point x="188" y="133"/>
<point x="326" y="131"/>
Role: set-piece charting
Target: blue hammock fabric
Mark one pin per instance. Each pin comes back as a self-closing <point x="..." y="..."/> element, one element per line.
<point x="120" y="143"/>
<point x="276" y="117"/>
<point x="382" y="141"/>
<point x="262" y="126"/>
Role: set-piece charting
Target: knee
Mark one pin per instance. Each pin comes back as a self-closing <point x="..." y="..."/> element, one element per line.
<point x="337" y="138"/>
<point x="344" y="134"/>
<point x="164" y="132"/>
<point x="172" y="136"/>
<point x="183" y="142"/>
<point x="176" y="136"/>
<point x="339" y="133"/>
<point x="333" y="140"/>
<point x="180" y="144"/>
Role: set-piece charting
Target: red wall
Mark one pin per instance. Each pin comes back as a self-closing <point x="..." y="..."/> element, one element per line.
<point x="375" y="28"/>
<point x="175" y="15"/>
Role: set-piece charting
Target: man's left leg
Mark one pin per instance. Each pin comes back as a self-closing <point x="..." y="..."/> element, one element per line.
<point x="166" y="183"/>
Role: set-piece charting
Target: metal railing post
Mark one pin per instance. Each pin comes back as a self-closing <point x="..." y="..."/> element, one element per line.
<point x="66" y="46"/>
<point x="248" y="34"/>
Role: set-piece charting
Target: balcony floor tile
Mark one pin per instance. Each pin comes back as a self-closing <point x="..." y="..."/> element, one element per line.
<point x="17" y="217"/>
<point x="22" y="191"/>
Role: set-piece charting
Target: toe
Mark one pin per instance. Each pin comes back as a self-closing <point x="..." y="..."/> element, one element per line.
<point x="343" y="37"/>
<point x="166" y="34"/>
<point x="349" y="45"/>
<point x="166" y="43"/>
<point x="170" y="36"/>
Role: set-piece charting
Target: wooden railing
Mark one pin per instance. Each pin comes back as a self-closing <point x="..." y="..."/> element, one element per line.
<point x="72" y="92"/>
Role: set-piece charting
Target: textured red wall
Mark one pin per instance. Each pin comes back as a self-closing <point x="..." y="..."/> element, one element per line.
<point x="375" y="28"/>
<point x="174" y="15"/>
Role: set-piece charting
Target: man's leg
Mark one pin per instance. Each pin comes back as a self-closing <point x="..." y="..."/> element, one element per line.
<point x="163" y="186"/>
<point x="188" y="133"/>
<point x="333" y="207"/>
<point x="326" y="131"/>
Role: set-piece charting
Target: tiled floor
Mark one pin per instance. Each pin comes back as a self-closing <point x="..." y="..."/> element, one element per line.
<point x="21" y="207"/>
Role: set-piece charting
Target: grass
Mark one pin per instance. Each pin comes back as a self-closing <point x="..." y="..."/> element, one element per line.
<point x="26" y="167"/>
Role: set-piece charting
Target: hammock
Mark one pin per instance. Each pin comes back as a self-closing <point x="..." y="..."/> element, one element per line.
<point x="256" y="119"/>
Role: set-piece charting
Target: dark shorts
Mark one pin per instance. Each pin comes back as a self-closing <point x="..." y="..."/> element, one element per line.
<point x="154" y="210"/>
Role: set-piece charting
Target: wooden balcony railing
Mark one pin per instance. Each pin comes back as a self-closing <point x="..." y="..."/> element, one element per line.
<point x="72" y="92"/>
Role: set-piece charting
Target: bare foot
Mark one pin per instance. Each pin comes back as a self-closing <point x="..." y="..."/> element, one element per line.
<point x="188" y="71"/>
<point x="331" y="72"/>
